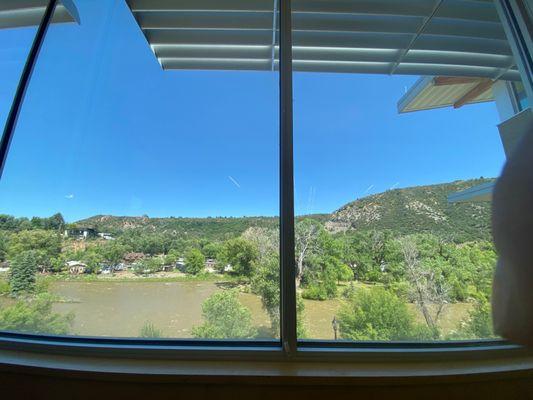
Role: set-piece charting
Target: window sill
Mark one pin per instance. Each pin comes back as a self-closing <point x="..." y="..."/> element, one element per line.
<point x="223" y="364"/>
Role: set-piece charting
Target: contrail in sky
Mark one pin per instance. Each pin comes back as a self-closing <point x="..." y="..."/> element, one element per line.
<point x="394" y="186"/>
<point x="367" y="189"/>
<point x="234" y="181"/>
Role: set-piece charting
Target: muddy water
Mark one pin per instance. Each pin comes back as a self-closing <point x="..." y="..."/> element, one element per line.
<point x="120" y="309"/>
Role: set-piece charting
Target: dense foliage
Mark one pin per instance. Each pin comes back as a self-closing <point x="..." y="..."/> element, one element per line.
<point x="35" y="316"/>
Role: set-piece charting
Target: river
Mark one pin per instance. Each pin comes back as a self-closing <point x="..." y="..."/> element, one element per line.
<point x="120" y="309"/>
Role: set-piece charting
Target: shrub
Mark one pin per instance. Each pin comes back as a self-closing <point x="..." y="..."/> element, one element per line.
<point x="315" y="292"/>
<point x="225" y="318"/>
<point x="376" y="314"/>
<point x="149" y="330"/>
<point x="35" y="316"/>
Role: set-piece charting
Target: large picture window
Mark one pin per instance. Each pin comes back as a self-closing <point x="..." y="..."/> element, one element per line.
<point x="265" y="173"/>
<point x="140" y="193"/>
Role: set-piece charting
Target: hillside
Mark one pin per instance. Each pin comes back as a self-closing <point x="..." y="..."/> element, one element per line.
<point x="416" y="210"/>
<point x="215" y="228"/>
<point x="409" y="210"/>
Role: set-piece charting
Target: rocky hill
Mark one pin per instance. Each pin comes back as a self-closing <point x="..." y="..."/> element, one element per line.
<point x="416" y="210"/>
<point x="404" y="211"/>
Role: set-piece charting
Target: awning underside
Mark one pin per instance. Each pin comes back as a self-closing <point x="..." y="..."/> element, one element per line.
<point x="20" y="13"/>
<point x="436" y="92"/>
<point x="418" y="37"/>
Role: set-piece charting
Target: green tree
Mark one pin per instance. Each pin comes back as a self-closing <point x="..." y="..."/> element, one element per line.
<point x="212" y="250"/>
<point x="22" y="275"/>
<point x="149" y="265"/>
<point x="241" y="254"/>
<point x="376" y="314"/>
<point x="172" y="257"/>
<point x="225" y="318"/>
<point x="112" y="252"/>
<point x="47" y="245"/>
<point x="265" y="283"/>
<point x="35" y="316"/>
<point x="321" y="278"/>
<point x="194" y="262"/>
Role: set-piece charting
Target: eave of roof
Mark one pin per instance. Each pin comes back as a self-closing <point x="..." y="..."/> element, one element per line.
<point x="22" y="13"/>
<point x="454" y="37"/>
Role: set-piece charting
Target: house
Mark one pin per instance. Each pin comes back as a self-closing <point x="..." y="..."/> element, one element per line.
<point x="133" y="257"/>
<point x="4" y="266"/>
<point x="80" y="233"/>
<point x="210" y="265"/>
<point x="180" y="264"/>
<point x="106" y="236"/>
<point x="76" y="267"/>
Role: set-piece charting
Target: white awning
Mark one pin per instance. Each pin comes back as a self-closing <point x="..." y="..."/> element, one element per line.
<point x="416" y="37"/>
<point x="436" y="91"/>
<point x="19" y="13"/>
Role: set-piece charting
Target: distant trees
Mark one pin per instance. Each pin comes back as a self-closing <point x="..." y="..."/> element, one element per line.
<point x="241" y="254"/>
<point x="47" y="244"/>
<point x="12" y="224"/>
<point x="225" y="318"/>
<point x="194" y="262"/>
<point x="22" y="274"/>
<point x="148" y="266"/>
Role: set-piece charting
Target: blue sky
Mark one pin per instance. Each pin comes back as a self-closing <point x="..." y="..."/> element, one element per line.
<point x="104" y="130"/>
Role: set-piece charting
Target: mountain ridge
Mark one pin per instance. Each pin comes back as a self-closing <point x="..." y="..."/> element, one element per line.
<point x="415" y="209"/>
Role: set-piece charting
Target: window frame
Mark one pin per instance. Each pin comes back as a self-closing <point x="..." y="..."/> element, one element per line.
<point x="288" y="347"/>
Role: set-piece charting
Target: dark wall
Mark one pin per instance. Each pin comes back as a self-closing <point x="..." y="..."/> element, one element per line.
<point x="23" y="385"/>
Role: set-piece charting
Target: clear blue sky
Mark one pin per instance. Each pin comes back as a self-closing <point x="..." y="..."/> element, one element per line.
<point x="104" y="130"/>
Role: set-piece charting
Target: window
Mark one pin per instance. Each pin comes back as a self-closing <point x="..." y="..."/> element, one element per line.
<point x="17" y="31"/>
<point x="520" y="95"/>
<point x="149" y="188"/>
<point x="141" y="188"/>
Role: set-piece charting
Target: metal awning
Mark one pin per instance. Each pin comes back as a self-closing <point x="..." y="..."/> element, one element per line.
<point x="20" y="13"/>
<point x="416" y="37"/>
<point x="438" y="91"/>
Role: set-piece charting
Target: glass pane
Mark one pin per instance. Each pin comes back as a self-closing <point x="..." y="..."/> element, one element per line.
<point x="142" y="183"/>
<point x="396" y="153"/>
<point x="18" y="26"/>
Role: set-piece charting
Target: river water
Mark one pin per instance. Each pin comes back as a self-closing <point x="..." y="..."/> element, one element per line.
<point x="120" y="309"/>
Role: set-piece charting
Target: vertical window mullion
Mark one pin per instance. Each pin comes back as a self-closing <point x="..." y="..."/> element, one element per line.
<point x="287" y="257"/>
<point x="14" y="112"/>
